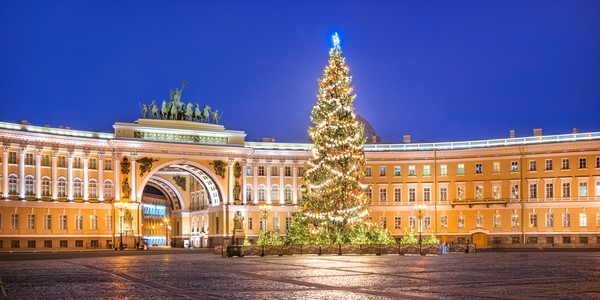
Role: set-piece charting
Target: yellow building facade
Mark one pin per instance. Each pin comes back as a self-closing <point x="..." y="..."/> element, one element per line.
<point x="181" y="183"/>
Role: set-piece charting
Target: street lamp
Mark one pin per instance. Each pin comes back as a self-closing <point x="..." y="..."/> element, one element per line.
<point x="420" y="208"/>
<point x="165" y="224"/>
<point x="265" y="210"/>
<point x="121" y="207"/>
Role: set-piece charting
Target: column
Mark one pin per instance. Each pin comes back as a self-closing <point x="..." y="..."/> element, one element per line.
<point x="230" y="199"/>
<point x="268" y="189"/>
<point x="244" y="167"/>
<point x="70" y="154"/>
<point x="100" y="177"/>
<point x="22" y="172"/>
<point x="38" y="174"/>
<point x="281" y="185"/>
<point x="255" y="189"/>
<point x="54" y="175"/>
<point x="117" y="171"/>
<point x="86" y="196"/>
<point x="133" y="195"/>
<point x="295" y="184"/>
<point x="5" y="171"/>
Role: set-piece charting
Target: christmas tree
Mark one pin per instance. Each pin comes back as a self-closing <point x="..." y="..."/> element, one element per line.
<point x="334" y="197"/>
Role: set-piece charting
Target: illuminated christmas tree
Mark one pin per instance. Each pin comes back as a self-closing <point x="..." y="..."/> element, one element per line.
<point x="334" y="197"/>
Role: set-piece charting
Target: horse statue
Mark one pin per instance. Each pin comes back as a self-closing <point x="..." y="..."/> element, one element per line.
<point x="154" y="111"/>
<point x="173" y="111"/>
<point x="206" y="114"/>
<point x="189" y="111"/>
<point x="164" y="111"/>
<point x="197" y="114"/>
<point x="144" y="108"/>
<point x="216" y="117"/>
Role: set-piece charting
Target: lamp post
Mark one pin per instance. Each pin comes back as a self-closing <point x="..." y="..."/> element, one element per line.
<point x="167" y="227"/>
<point x="265" y="210"/>
<point x="121" y="207"/>
<point x="420" y="208"/>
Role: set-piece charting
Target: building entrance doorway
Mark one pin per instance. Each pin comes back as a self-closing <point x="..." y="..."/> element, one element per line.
<point x="480" y="239"/>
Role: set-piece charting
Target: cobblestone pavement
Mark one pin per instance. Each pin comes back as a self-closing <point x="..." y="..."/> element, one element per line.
<point x="202" y="275"/>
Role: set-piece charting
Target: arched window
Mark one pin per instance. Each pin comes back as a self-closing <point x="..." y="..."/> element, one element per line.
<point x="288" y="193"/>
<point x="62" y="187"/>
<point x="261" y="193"/>
<point x="93" y="188"/>
<point x="29" y="190"/>
<point x="300" y="189"/>
<point x="77" y="188"/>
<point x="108" y="188"/>
<point x="248" y="193"/>
<point x="13" y="180"/>
<point x="46" y="187"/>
<point x="275" y="193"/>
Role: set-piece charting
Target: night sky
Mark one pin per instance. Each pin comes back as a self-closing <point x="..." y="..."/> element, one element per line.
<point x="438" y="70"/>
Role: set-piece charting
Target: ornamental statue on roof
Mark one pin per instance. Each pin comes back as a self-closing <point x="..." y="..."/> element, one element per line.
<point x="175" y="109"/>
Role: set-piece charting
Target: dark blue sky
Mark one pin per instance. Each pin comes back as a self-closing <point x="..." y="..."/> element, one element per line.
<point x="438" y="70"/>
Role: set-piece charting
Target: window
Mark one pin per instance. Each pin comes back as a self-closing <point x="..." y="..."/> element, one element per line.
<point x="496" y="191"/>
<point x="62" y="161"/>
<point x="461" y="169"/>
<point x="412" y="195"/>
<point x="479" y="192"/>
<point x="549" y="190"/>
<point x="250" y="223"/>
<point x="583" y="239"/>
<point x="397" y="222"/>
<point x="412" y="222"/>
<point x="79" y="243"/>
<point x="48" y="244"/>
<point x="382" y="194"/>
<point x="261" y="170"/>
<point x="549" y="240"/>
<point x="444" y="222"/>
<point x="426" y="170"/>
<point x="583" y="220"/>
<point x="566" y="189"/>
<point x="288" y="171"/>
<point x="566" y="220"/>
<point x="412" y="171"/>
<point x="443" y="170"/>
<point x="94" y="244"/>
<point x="31" y="222"/>
<point x="274" y="171"/>
<point x="275" y="192"/>
<point x="532" y="240"/>
<point x="276" y="223"/>
<point x="300" y="171"/>
<point x="397" y="195"/>
<point x="261" y="193"/>
<point x="461" y="222"/>
<point x="29" y="161"/>
<point x="108" y="164"/>
<point x="248" y="170"/>
<point x="64" y="244"/>
<point x="396" y="171"/>
<point x="497" y="221"/>
<point x="566" y="239"/>
<point x="15" y="244"/>
<point x="443" y="194"/>
<point x="597" y="188"/>
<point x="12" y="157"/>
<point x="496" y="167"/>
<point x="460" y="193"/>
<point x="45" y="160"/>
<point x="383" y="222"/>
<point x="248" y="193"/>
<point x="427" y="222"/>
<point x="63" y="222"/>
<point x="93" y="188"/>
<point x="29" y="191"/>
<point x="368" y="171"/>
<point x="583" y="189"/>
<point x="369" y="193"/>
<point x="14" y="221"/>
<point x="515" y="240"/>
<point x="582" y="163"/>
<point x="62" y="187"/>
<point x="48" y="222"/>
<point x="565" y="163"/>
<point x="77" y="162"/>
<point x="12" y="184"/>
<point x="532" y="165"/>
<point x="288" y="194"/>
<point x="478" y="168"/>
<point x="107" y="189"/>
<point x="533" y="220"/>
<point x="108" y="223"/>
<point x="77" y="188"/>
<point x="288" y="221"/>
<point x="514" y="220"/>
<point x="382" y="171"/>
<point x="598" y="162"/>
<point x="92" y="165"/>
<point x="514" y="191"/>
<point x="262" y="224"/>
<point x="548" y="164"/>
<point x="514" y="166"/>
<point x="479" y="221"/>
<point x="94" y="222"/>
<point x="31" y="244"/>
<point x="79" y="222"/>
<point x="532" y="190"/>
<point x="549" y="220"/>
<point x="427" y="194"/>
<point x="45" y="187"/>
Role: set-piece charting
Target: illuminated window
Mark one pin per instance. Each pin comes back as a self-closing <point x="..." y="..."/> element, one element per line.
<point x="514" y="166"/>
<point x="479" y="192"/>
<point x="14" y="221"/>
<point x="566" y="220"/>
<point x="382" y="194"/>
<point x="77" y="190"/>
<point x="63" y="222"/>
<point x="396" y="171"/>
<point x="461" y="222"/>
<point x="549" y="190"/>
<point x="368" y="171"/>
<point x="460" y="192"/>
<point x="443" y="194"/>
<point x="412" y="222"/>
<point x="93" y="188"/>
<point x="583" y="189"/>
<point x="532" y="190"/>
<point x="427" y="222"/>
<point x="412" y="171"/>
<point x="583" y="220"/>
<point x="261" y="193"/>
<point x="29" y="191"/>
<point x="248" y="170"/>
<point x="12" y="184"/>
<point x="107" y="189"/>
<point x="62" y="187"/>
<point x="78" y="222"/>
<point x="443" y="170"/>
<point x="496" y="193"/>
<point x="288" y="193"/>
<point x="382" y="171"/>
<point x="497" y="221"/>
<point x="444" y="222"/>
<point x="248" y="193"/>
<point x="397" y="195"/>
<point x="31" y="222"/>
<point x="383" y="222"/>
<point x="108" y="223"/>
<point x="479" y="221"/>
<point x="47" y="222"/>
<point x="566" y="189"/>
<point x="275" y="192"/>
<point x="93" y="222"/>
<point x="426" y="170"/>
<point x="369" y="193"/>
<point x="514" y="220"/>
<point x="461" y="169"/>
<point x="496" y="167"/>
<point x="276" y="223"/>
<point x="533" y="220"/>
<point x="549" y="220"/>
<point x="514" y="191"/>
